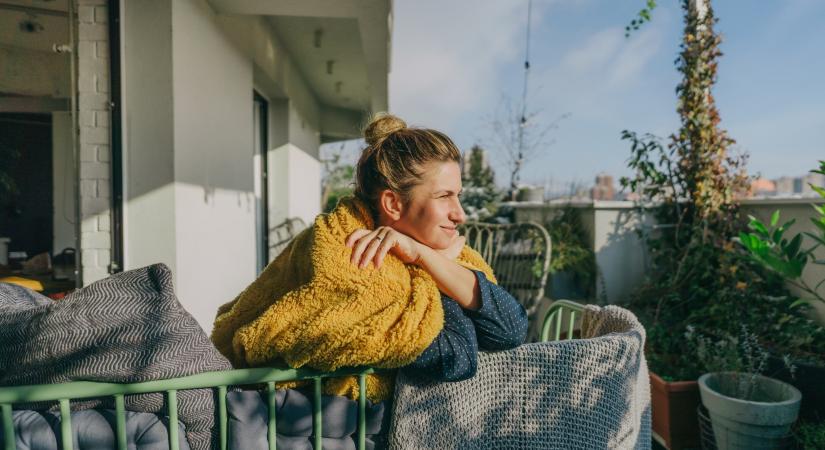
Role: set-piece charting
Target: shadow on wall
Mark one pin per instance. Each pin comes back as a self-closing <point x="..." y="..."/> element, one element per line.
<point x="621" y="259"/>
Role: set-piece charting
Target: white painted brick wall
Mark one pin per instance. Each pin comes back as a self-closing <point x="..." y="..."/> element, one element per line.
<point x="95" y="149"/>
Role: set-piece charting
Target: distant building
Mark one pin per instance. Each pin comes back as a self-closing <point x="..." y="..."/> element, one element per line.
<point x="798" y="186"/>
<point x="808" y="180"/>
<point x="784" y="186"/>
<point x="603" y="190"/>
<point x="762" y="187"/>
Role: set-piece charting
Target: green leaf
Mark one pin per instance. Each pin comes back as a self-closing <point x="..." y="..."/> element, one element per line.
<point x="819" y="190"/>
<point x="793" y="248"/>
<point x="758" y="226"/>
<point x="821" y="169"/>
<point x="776" y="236"/>
<point x="775" y="218"/>
<point x="743" y="239"/>
<point x="799" y="302"/>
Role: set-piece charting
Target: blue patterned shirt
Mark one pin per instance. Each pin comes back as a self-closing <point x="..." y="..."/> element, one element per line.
<point x="499" y="324"/>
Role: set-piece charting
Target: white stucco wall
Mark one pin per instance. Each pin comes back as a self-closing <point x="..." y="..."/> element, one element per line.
<point x="148" y="138"/>
<point x="620" y="254"/>
<point x="214" y="188"/>
<point x="295" y="181"/>
<point x="188" y="148"/>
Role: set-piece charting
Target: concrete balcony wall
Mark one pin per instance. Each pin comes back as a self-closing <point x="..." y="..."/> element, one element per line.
<point x="621" y="256"/>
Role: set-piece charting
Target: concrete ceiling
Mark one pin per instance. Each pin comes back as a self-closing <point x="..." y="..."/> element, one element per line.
<point x="29" y="66"/>
<point x="47" y="21"/>
<point x="335" y="68"/>
<point x="354" y="35"/>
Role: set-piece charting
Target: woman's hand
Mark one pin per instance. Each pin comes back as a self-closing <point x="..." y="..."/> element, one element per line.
<point x="454" y="249"/>
<point x="374" y="245"/>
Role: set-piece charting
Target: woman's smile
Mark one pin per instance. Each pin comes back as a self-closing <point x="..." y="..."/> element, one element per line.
<point x="451" y="231"/>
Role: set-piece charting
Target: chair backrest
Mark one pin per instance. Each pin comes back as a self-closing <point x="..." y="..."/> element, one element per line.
<point x="281" y="235"/>
<point x="519" y="255"/>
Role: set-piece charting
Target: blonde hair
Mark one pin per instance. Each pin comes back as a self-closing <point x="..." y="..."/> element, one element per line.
<point x="395" y="157"/>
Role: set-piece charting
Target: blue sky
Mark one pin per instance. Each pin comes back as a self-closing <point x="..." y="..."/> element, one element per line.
<point x="454" y="61"/>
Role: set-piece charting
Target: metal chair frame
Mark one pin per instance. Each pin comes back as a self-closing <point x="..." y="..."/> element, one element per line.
<point x="519" y="255"/>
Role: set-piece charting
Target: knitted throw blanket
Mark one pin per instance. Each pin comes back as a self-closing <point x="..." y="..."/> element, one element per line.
<point x="312" y="307"/>
<point x="587" y="393"/>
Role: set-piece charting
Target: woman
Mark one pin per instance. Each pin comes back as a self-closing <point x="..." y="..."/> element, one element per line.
<point x="383" y="280"/>
<point x="411" y="179"/>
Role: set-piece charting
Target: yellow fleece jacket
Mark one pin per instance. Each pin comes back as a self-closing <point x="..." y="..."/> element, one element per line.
<point x="312" y="307"/>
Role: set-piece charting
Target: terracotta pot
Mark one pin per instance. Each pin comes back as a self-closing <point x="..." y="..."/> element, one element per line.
<point x="674" y="420"/>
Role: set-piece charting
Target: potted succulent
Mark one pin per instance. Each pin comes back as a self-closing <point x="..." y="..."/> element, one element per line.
<point x="747" y="409"/>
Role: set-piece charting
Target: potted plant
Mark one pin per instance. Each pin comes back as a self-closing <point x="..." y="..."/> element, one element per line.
<point x="747" y="409"/>
<point x="572" y="261"/>
<point x="789" y="257"/>
<point x="766" y="244"/>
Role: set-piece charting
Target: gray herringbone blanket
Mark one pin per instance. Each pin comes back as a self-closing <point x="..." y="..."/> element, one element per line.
<point x="591" y="393"/>
<point x="127" y="328"/>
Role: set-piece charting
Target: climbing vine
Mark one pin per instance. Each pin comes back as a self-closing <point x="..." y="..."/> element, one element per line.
<point x="689" y="185"/>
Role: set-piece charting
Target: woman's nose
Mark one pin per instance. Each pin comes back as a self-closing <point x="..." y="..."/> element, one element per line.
<point x="457" y="214"/>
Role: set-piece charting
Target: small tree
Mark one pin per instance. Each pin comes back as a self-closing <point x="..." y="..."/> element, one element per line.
<point x="480" y="195"/>
<point x="520" y="135"/>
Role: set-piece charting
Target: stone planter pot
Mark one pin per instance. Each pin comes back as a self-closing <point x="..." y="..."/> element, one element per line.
<point x="761" y="423"/>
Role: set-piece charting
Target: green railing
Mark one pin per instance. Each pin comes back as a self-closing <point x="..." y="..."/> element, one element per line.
<point x="64" y="392"/>
<point x="562" y="313"/>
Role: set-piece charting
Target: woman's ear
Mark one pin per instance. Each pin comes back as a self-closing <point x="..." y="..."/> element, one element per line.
<point x="390" y="204"/>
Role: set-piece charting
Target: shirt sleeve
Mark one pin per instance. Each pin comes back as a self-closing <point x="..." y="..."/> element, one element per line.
<point x="452" y="356"/>
<point x="501" y="321"/>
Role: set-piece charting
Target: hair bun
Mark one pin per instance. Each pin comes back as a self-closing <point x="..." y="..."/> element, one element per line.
<point x="382" y="125"/>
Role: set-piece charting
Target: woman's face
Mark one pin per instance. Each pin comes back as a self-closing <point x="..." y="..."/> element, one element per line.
<point x="433" y="210"/>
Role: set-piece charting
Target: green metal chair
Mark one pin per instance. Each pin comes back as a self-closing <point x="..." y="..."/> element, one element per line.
<point x="519" y="255"/>
<point x="77" y="390"/>
<point x="562" y="314"/>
